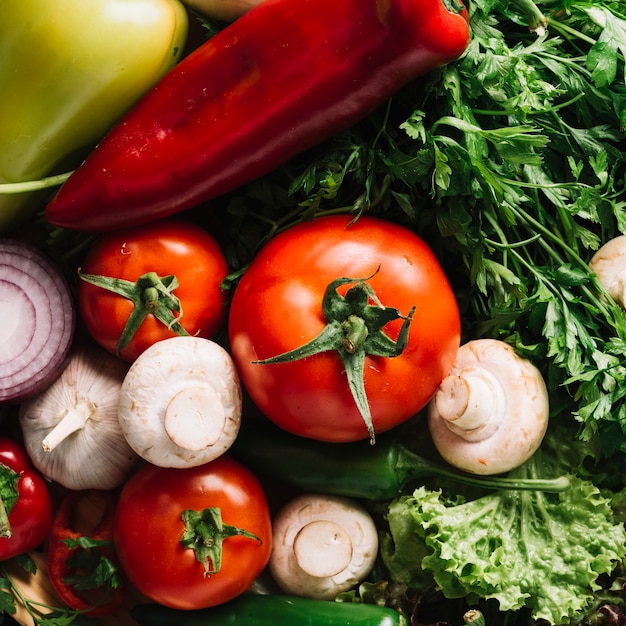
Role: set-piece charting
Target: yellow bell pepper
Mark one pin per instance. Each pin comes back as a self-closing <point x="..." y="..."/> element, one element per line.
<point x="68" y="71"/>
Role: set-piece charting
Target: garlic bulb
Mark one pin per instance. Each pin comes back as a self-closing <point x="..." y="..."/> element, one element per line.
<point x="71" y="430"/>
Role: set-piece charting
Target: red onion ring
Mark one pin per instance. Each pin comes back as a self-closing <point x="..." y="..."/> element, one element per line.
<point x="37" y="320"/>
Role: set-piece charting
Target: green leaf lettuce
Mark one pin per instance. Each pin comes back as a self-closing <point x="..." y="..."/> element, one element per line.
<point x="524" y="549"/>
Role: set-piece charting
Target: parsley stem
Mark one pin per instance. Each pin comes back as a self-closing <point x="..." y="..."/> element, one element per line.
<point x="552" y="109"/>
<point x="565" y="29"/>
<point x="572" y="255"/>
<point x="29" y="605"/>
<point x="517" y="244"/>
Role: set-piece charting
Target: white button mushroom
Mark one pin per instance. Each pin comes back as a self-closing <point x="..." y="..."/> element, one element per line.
<point x="180" y="403"/>
<point x="322" y="545"/>
<point x="490" y="413"/>
<point x="609" y="265"/>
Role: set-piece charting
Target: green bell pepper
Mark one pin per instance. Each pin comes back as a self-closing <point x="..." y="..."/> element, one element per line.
<point x="358" y="469"/>
<point x="68" y="71"/>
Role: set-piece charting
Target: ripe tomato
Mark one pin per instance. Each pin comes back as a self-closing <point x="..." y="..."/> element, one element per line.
<point x="149" y="526"/>
<point x="168" y="248"/>
<point x="277" y="307"/>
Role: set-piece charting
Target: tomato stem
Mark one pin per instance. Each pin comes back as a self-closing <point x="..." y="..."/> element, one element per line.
<point x="150" y="294"/>
<point x="354" y="324"/>
<point x="205" y="532"/>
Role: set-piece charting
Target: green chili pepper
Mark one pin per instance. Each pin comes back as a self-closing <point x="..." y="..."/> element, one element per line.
<point x="359" y="470"/>
<point x="269" y="610"/>
<point x="68" y="71"/>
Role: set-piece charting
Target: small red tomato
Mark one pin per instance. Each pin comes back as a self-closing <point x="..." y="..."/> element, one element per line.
<point x="163" y="513"/>
<point x="371" y="286"/>
<point x="26" y="498"/>
<point x="152" y="282"/>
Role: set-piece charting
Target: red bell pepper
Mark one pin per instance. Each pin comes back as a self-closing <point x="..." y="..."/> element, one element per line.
<point x="83" y="569"/>
<point x="26" y="505"/>
<point x="282" y="78"/>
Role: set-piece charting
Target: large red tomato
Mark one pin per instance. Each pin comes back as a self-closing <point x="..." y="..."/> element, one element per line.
<point x="277" y="307"/>
<point x="168" y="248"/>
<point x="151" y="536"/>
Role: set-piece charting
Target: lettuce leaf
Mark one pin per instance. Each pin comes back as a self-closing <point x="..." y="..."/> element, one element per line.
<point x="525" y="549"/>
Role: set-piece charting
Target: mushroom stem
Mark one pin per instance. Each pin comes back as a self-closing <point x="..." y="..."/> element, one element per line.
<point x="195" y="418"/>
<point x="489" y="378"/>
<point x="72" y="421"/>
<point x="180" y="403"/>
<point x="471" y="402"/>
<point x="322" y="548"/>
<point x="322" y="545"/>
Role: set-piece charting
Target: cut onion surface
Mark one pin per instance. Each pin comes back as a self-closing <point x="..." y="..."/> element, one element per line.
<point x="37" y="320"/>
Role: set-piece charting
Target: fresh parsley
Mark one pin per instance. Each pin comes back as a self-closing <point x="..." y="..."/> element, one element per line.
<point x="41" y="614"/>
<point x="511" y="163"/>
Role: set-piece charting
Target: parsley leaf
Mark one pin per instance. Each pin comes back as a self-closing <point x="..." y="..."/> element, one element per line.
<point x="510" y="163"/>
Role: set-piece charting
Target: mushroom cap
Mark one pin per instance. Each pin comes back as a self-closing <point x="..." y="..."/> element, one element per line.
<point x="180" y="403"/>
<point x="512" y="398"/>
<point x="609" y="265"/>
<point x="322" y="545"/>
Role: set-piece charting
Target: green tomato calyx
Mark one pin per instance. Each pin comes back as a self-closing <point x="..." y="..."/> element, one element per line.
<point x="150" y="294"/>
<point x="354" y="329"/>
<point x="205" y="532"/>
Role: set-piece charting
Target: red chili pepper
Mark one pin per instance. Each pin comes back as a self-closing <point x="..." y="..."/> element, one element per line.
<point x="26" y="510"/>
<point x="72" y="567"/>
<point x="282" y="78"/>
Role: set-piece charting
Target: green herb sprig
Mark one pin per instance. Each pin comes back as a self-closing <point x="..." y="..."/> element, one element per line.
<point x="511" y="163"/>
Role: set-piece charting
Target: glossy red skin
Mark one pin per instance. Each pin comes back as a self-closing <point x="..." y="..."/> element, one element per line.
<point x="31" y="517"/>
<point x="283" y="77"/>
<point x="172" y="246"/>
<point x="148" y="527"/>
<point x="58" y="552"/>
<point x="277" y="307"/>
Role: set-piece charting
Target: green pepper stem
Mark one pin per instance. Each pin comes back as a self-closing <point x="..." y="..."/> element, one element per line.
<point x="34" y="185"/>
<point x="410" y="466"/>
<point x="9" y="495"/>
<point x="357" y="469"/>
<point x="475" y="617"/>
<point x="5" y="525"/>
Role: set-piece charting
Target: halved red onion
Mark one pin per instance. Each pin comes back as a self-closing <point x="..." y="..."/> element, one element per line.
<point x="37" y="320"/>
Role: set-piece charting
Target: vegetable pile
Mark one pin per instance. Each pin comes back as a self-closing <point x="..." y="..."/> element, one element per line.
<point x="371" y="298"/>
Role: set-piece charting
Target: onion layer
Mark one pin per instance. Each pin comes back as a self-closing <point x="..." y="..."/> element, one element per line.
<point x="37" y="321"/>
